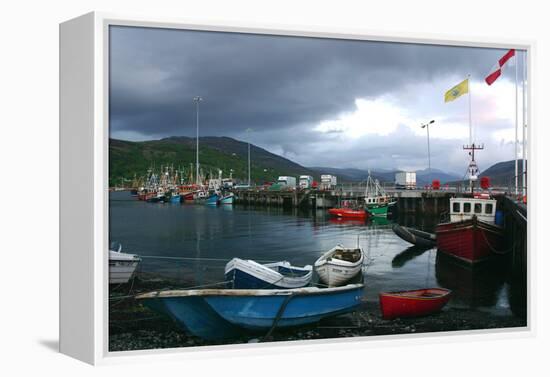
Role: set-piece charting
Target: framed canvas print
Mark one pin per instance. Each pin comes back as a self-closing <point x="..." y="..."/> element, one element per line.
<point x="238" y="186"/>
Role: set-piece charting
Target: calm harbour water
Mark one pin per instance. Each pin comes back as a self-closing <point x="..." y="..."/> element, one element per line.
<point x="207" y="237"/>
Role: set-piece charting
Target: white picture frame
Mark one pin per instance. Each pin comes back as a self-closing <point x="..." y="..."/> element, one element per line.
<point x="84" y="46"/>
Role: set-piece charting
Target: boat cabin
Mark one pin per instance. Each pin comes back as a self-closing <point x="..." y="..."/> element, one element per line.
<point x="385" y="199"/>
<point x="466" y="208"/>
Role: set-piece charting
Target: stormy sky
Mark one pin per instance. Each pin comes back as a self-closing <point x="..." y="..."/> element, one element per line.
<point x="319" y="102"/>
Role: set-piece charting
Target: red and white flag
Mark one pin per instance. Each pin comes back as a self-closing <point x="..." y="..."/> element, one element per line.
<point x="497" y="69"/>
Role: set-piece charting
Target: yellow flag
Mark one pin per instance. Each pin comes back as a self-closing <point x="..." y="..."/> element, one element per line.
<point x="457" y="91"/>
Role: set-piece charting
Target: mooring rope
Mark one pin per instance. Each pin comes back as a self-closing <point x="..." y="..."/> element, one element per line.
<point x="199" y="259"/>
<point x="500" y="252"/>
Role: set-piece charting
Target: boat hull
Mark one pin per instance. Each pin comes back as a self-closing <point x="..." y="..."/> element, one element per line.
<point x="415" y="237"/>
<point x="227" y="200"/>
<point x="470" y="241"/>
<point x="195" y="316"/>
<point x="378" y="210"/>
<point x="335" y="272"/>
<point x="415" y="303"/>
<point x="121" y="271"/>
<point x="223" y="313"/>
<point x="260" y="314"/>
<point x="244" y="274"/>
<point x="348" y="213"/>
<point x="122" y="266"/>
<point x="335" y="276"/>
<point x="212" y="200"/>
<point x="188" y="197"/>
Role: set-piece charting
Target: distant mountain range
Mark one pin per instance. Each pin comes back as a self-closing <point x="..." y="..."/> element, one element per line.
<point x="129" y="159"/>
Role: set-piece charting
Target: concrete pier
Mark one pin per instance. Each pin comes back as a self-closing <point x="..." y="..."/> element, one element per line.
<point x="408" y="201"/>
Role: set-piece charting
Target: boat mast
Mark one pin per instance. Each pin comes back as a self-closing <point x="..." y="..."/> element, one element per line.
<point x="197" y="99"/>
<point x="473" y="170"/>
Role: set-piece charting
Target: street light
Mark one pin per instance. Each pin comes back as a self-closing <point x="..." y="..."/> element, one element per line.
<point x="248" y="130"/>
<point x="427" y="126"/>
<point x="197" y="99"/>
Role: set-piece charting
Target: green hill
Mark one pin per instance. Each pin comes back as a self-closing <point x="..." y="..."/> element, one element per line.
<point x="127" y="158"/>
<point x="503" y="173"/>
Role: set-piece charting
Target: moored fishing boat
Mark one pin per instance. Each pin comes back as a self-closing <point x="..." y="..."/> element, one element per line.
<point x="414" y="303"/>
<point x="470" y="240"/>
<point x="349" y="213"/>
<point x="219" y="313"/>
<point x="339" y="265"/>
<point x="175" y="198"/>
<point x="227" y="199"/>
<point x="212" y="200"/>
<point x="377" y="201"/>
<point x="247" y="274"/>
<point x="189" y="196"/>
<point x="471" y="234"/>
<point x="122" y="266"/>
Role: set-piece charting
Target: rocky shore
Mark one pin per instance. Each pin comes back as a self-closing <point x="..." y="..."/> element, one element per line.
<point x="135" y="327"/>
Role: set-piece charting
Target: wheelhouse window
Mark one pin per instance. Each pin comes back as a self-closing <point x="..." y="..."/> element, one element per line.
<point x="467" y="207"/>
<point x="477" y="208"/>
<point x="456" y="207"/>
<point x="488" y="209"/>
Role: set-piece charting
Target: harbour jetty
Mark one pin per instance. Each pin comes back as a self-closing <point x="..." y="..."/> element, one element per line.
<point x="428" y="201"/>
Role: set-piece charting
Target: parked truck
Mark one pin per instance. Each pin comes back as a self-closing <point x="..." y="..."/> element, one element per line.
<point x="328" y="182"/>
<point x="306" y="181"/>
<point x="405" y="180"/>
<point x="288" y="182"/>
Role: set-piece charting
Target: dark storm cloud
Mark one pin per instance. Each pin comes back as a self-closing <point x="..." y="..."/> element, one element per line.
<point x="261" y="82"/>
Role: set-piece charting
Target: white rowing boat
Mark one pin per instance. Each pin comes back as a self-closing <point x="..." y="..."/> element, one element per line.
<point x="339" y="265"/>
<point x="122" y="266"/>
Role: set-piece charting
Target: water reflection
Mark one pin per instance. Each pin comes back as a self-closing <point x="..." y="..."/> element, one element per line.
<point x="472" y="287"/>
<point x="406" y="255"/>
<point x="192" y="243"/>
<point x="424" y="223"/>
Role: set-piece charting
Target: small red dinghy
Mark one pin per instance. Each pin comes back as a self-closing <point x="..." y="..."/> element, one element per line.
<point x="348" y="213"/>
<point x="414" y="303"/>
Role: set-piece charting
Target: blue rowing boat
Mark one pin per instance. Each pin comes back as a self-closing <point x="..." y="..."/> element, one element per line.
<point x="226" y="313"/>
<point x="248" y="274"/>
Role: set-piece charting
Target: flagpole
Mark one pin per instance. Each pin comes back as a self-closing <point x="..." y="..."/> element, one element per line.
<point x="524" y="117"/>
<point x="516" y="139"/>
<point x="470" y="108"/>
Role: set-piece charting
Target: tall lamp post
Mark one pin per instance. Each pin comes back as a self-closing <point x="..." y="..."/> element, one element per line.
<point x="248" y="130"/>
<point x="427" y="127"/>
<point x="197" y="99"/>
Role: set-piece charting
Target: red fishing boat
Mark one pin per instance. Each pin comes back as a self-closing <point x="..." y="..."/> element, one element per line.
<point x="189" y="196"/>
<point x="471" y="234"/>
<point x="349" y="213"/>
<point x="414" y="303"/>
<point x="471" y="240"/>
